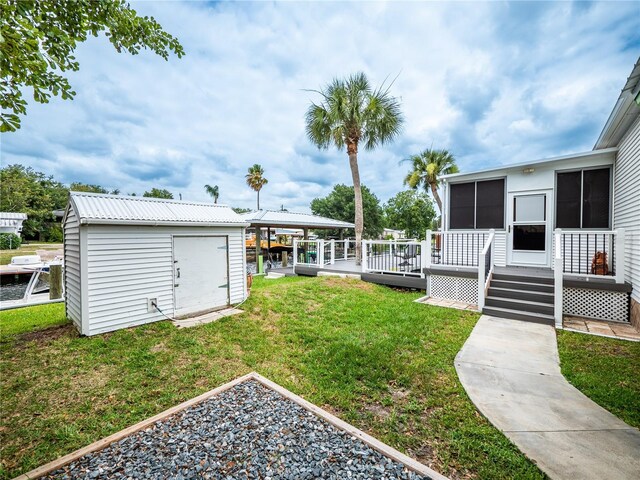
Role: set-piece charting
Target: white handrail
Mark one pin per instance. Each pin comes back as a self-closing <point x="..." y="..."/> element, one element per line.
<point x="482" y="260"/>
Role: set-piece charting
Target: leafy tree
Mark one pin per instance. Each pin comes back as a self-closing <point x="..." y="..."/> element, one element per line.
<point x="241" y="210"/>
<point x="213" y="191"/>
<point x="158" y="193"/>
<point x="34" y="193"/>
<point x="426" y="169"/>
<point x="84" y="187"/>
<point x="255" y="179"/>
<point x="351" y="112"/>
<point x="410" y="211"/>
<point x="40" y="37"/>
<point x="340" y="204"/>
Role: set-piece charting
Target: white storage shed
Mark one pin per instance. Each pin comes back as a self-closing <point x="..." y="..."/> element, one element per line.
<point x="124" y="253"/>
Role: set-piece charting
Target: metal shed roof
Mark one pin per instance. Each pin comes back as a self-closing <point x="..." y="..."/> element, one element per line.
<point x="12" y="216"/>
<point x="95" y="208"/>
<point x="278" y="218"/>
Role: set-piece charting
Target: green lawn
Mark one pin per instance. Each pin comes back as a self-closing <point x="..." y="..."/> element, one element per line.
<point x="606" y="370"/>
<point x="365" y="352"/>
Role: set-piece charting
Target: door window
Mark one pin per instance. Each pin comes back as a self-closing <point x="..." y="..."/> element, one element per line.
<point x="529" y="222"/>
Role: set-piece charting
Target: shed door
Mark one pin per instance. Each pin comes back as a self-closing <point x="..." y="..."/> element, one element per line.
<point x="201" y="273"/>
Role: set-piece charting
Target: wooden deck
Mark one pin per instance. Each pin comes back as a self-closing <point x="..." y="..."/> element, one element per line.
<point x="349" y="267"/>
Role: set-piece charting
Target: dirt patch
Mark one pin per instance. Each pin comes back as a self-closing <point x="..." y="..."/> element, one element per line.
<point x="48" y="335"/>
<point x="351" y="282"/>
<point x="160" y="347"/>
<point x="398" y="394"/>
<point x="379" y="411"/>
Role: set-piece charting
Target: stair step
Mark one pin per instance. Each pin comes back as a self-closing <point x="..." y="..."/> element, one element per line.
<point x="527" y="286"/>
<point x="514" y="277"/>
<point x="519" y="315"/>
<point x="520" y="305"/>
<point x="511" y="293"/>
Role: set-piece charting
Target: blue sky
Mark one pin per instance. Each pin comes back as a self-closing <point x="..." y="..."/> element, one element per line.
<point x="495" y="83"/>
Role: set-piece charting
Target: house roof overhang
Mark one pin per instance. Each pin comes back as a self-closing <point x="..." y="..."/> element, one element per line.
<point x="624" y="113"/>
<point x="606" y="155"/>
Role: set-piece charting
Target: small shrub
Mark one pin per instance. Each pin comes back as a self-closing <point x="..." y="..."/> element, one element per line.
<point x="9" y="241"/>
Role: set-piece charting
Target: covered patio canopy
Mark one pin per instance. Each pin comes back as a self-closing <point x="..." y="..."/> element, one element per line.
<point x="281" y="219"/>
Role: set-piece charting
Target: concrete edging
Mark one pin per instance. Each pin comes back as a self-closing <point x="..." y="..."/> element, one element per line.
<point x="375" y="444"/>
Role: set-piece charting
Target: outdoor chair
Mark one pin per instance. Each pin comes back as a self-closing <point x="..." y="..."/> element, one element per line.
<point x="407" y="255"/>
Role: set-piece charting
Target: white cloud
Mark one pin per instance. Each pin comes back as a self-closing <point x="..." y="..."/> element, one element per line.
<point x="494" y="83"/>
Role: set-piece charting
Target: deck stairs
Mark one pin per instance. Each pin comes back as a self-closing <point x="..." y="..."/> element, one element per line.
<point x="521" y="294"/>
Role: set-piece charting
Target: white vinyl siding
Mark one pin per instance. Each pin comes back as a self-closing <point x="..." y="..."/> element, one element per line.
<point x="72" y="268"/>
<point x="127" y="264"/>
<point x="627" y="203"/>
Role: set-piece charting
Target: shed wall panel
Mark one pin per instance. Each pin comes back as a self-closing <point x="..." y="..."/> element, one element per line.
<point x="128" y="264"/>
<point x="72" y="268"/>
<point x="627" y="203"/>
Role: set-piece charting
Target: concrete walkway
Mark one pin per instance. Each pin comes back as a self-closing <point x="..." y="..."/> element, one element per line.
<point x="510" y="370"/>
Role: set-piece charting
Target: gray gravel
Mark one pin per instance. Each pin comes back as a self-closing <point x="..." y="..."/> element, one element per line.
<point x="246" y="432"/>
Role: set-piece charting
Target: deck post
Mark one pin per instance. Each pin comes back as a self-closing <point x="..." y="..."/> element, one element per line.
<point x="320" y="253"/>
<point x="557" y="279"/>
<point x="346" y="249"/>
<point x="333" y="251"/>
<point x="427" y="261"/>
<point x="481" y="271"/>
<point x="424" y="250"/>
<point x="55" y="281"/>
<point x="365" y="257"/>
<point x="620" y="254"/>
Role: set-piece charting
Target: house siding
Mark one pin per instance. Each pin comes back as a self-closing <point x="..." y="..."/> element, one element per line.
<point x="72" y="268"/>
<point x="128" y="264"/>
<point x="627" y="210"/>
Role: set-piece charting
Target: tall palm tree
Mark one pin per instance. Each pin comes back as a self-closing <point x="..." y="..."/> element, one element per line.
<point x="426" y="169"/>
<point x="350" y="112"/>
<point x="255" y="179"/>
<point x="213" y="191"/>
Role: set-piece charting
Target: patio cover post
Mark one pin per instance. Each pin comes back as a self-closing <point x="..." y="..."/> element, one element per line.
<point x="259" y="249"/>
<point x="268" y="243"/>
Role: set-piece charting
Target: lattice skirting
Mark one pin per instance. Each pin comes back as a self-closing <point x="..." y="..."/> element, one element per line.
<point x="600" y="304"/>
<point x="454" y="288"/>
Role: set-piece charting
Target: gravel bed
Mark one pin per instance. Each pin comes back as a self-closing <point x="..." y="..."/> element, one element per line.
<point x="246" y="432"/>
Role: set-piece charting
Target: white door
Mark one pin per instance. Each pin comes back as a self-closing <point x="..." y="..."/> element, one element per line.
<point x="529" y="235"/>
<point x="200" y="272"/>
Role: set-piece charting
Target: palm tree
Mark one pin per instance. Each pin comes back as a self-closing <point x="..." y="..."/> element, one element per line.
<point x="213" y="191"/>
<point x="351" y="112"/>
<point x="255" y="179"/>
<point x="427" y="167"/>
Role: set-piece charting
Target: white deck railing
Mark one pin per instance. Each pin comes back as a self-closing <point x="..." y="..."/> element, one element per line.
<point x="485" y="268"/>
<point x="318" y="253"/>
<point x="589" y="254"/>
<point x="456" y="248"/>
<point x="405" y="258"/>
